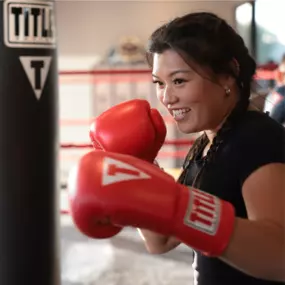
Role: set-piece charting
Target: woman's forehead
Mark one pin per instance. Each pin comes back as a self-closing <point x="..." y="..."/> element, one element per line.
<point x="169" y="62"/>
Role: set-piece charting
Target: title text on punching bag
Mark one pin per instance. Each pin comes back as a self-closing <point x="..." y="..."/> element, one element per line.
<point x="29" y="24"/>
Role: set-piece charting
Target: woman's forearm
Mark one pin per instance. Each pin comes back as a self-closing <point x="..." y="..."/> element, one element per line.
<point x="157" y="243"/>
<point x="257" y="248"/>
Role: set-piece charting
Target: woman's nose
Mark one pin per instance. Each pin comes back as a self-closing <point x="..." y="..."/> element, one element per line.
<point x="168" y="96"/>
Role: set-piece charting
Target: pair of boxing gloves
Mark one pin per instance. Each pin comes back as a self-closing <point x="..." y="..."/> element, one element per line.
<point x="117" y="185"/>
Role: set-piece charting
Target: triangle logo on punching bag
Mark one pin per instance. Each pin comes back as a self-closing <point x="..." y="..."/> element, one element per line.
<point x="117" y="171"/>
<point x="36" y="68"/>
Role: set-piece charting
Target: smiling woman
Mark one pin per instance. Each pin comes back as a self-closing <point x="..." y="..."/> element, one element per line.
<point x="185" y="93"/>
<point x="203" y="73"/>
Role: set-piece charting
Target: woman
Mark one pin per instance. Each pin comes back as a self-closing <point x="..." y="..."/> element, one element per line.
<point x="203" y="74"/>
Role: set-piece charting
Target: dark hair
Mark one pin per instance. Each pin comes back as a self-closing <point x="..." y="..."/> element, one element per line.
<point x="211" y="42"/>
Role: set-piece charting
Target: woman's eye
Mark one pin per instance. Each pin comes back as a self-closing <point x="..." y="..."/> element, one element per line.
<point x="178" y="81"/>
<point x="159" y="83"/>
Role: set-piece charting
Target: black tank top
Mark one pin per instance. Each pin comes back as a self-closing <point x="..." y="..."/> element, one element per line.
<point x="256" y="141"/>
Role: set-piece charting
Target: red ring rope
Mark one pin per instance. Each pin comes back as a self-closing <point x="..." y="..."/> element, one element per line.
<point x="180" y="142"/>
<point x="261" y="74"/>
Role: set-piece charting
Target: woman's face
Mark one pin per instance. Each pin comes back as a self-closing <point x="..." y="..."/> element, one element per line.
<point x="195" y="102"/>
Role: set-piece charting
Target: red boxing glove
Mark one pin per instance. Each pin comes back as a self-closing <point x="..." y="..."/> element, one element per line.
<point x="131" y="127"/>
<point x="127" y="191"/>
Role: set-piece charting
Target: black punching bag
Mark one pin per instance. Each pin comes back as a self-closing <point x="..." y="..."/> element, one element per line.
<point x="28" y="143"/>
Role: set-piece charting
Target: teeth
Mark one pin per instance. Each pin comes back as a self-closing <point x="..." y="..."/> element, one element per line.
<point x="180" y="112"/>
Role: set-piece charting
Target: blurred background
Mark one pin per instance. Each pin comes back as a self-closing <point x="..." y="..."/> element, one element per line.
<point x="101" y="63"/>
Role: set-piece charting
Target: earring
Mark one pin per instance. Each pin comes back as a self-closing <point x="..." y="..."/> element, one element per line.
<point x="228" y="91"/>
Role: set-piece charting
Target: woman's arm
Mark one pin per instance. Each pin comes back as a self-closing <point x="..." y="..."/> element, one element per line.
<point x="257" y="246"/>
<point x="156" y="243"/>
<point x="257" y="249"/>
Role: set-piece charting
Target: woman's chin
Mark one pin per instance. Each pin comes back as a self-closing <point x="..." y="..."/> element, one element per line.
<point x="187" y="128"/>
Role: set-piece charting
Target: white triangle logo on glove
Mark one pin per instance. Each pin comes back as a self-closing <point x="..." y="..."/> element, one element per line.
<point x="116" y="171"/>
